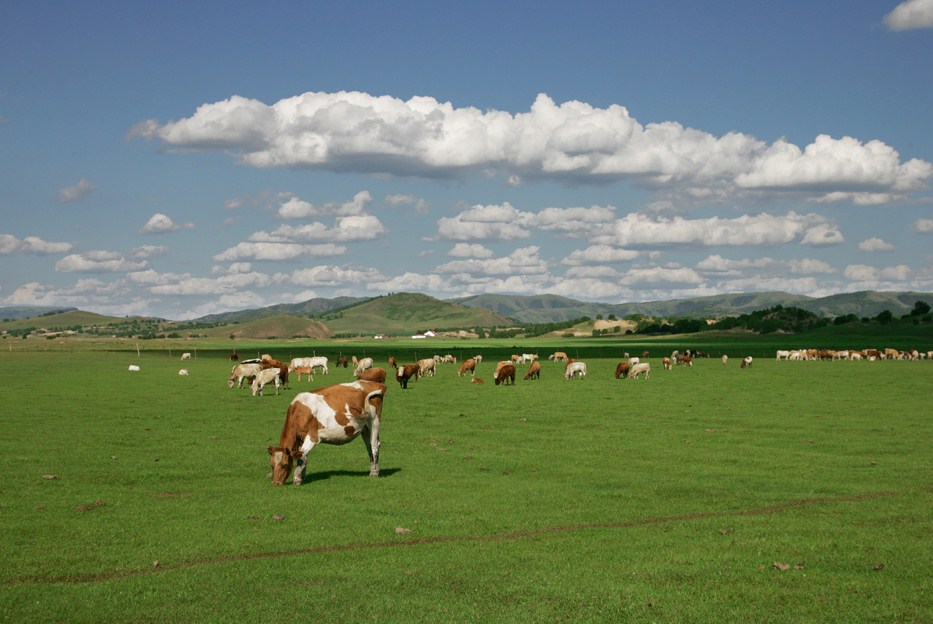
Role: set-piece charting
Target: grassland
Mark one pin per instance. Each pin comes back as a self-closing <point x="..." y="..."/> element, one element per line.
<point x="789" y="491"/>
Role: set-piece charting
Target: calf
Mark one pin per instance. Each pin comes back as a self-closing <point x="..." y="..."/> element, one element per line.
<point x="331" y="415"/>
<point x="575" y="368"/>
<point x="303" y="370"/>
<point x="622" y="369"/>
<point x="666" y="363"/>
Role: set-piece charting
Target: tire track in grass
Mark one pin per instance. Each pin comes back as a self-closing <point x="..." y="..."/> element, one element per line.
<point x="452" y="539"/>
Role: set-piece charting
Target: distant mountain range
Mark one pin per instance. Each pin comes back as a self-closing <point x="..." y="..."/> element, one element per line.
<point x="404" y="313"/>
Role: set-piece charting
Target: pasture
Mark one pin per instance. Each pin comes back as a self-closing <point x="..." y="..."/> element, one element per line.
<point x="787" y="491"/>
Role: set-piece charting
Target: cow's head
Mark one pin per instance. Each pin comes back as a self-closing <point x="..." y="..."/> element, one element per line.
<point x="281" y="461"/>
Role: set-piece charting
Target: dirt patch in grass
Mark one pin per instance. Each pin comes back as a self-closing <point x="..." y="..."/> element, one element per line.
<point x="420" y="541"/>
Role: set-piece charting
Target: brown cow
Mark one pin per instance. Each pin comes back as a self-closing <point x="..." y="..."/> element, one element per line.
<point x="342" y="361"/>
<point x="622" y="369"/>
<point x="534" y="371"/>
<point x="303" y="370"/>
<point x="331" y="415"/>
<point x="468" y="366"/>
<point x="504" y="375"/>
<point x="392" y="361"/>
<point x="405" y="372"/>
<point x="373" y="374"/>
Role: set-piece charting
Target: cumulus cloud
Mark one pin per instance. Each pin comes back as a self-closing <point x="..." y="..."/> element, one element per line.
<point x="911" y="14"/>
<point x="466" y="250"/>
<point x="763" y="229"/>
<point x="98" y="262"/>
<point x="522" y="261"/>
<point x="599" y="253"/>
<point x="76" y="192"/>
<point x="346" y="229"/>
<point x="490" y="222"/>
<point x="30" y="245"/>
<point x="924" y="226"/>
<point x="875" y="244"/>
<point x="276" y="251"/>
<point x="225" y="284"/>
<point x="161" y="224"/>
<point x="822" y="234"/>
<point x="354" y="131"/>
<point x="420" y="206"/>
<point x="865" y="273"/>
<point x="324" y="275"/>
<point x="149" y="251"/>
<point x="295" y="208"/>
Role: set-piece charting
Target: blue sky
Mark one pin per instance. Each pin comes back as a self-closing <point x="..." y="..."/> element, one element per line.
<point x="181" y="159"/>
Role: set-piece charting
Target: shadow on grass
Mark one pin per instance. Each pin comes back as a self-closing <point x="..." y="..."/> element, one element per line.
<point x="329" y="474"/>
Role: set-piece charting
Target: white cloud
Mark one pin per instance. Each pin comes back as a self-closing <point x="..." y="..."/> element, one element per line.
<point x="911" y="14"/>
<point x="75" y="192"/>
<point x="161" y="224"/>
<point x="809" y="266"/>
<point x="420" y="206"/>
<point x="822" y="234"/>
<point x="295" y="208"/>
<point x="875" y="244"/>
<point x="465" y="250"/>
<point x="98" y="262"/>
<point x="657" y="274"/>
<point x="875" y="275"/>
<point x="492" y="222"/>
<point x="763" y="229"/>
<point x="276" y="251"/>
<point x="324" y="275"/>
<point x="924" y="226"/>
<point x="149" y="251"/>
<point x="31" y="245"/>
<point x="599" y="253"/>
<point x="353" y="131"/>
<point x="522" y="261"/>
<point x="225" y="284"/>
<point x="347" y="229"/>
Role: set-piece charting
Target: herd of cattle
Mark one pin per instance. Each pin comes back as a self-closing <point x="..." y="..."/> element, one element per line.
<point x="339" y="413"/>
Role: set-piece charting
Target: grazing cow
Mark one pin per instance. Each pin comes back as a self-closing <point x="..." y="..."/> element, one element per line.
<point x="575" y="368"/>
<point x="279" y="366"/>
<point x="478" y="359"/>
<point x="425" y="366"/>
<point x="241" y="372"/>
<point x="500" y="365"/>
<point x="666" y="363"/>
<point x="746" y="362"/>
<point x="266" y="376"/>
<point x="645" y="354"/>
<point x="303" y="370"/>
<point x="342" y="361"/>
<point x="133" y="368"/>
<point x="622" y="369"/>
<point x="234" y="357"/>
<point x="558" y="356"/>
<point x="639" y="369"/>
<point x="373" y="374"/>
<point x="534" y="371"/>
<point x="331" y="415"/>
<point x="633" y="361"/>
<point x="782" y="354"/>
<point x="725" y="359"/>
<point x="504" y="375"/>
<point x="185" y="356"/>
<point x="404" y="372"/>
<point x="891" y="354"/>
<point x="309" y="362"/>
<point x="468" y="366"/>
<point x="183" y="371"/>
<point x="686" y="360"/>
<point x="392" y="361"/>
<point x="361" y="365"/>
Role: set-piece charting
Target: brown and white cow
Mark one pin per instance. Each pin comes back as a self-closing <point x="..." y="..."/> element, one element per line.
<point x="376" y="373"/>
<point x="332" y="415"/>
<point x="622" y="369"/>
<point x="404" y="372"/>
<point x="505" y="375"/>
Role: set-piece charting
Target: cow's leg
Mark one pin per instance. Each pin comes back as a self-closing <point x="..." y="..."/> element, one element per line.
<point x="301" y="463"/>
<point x="371" y="440"/>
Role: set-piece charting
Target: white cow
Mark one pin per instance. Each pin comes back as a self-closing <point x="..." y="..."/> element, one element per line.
<point x="266" y="376"/>
<point x="427" y="366"/>
<point x="782" y="355"/>
<point x="241" y="372"/>
<point x="725" y="359"/>
<point x="575" y="368"/>
<point x="364" y="364"/>
<point x="746" y="361"/>
<point x="309" y="362"/>
<point x="133" y="368"/>
<point x="638" y="369"/>
<point x="185" y="356"/>
<point x="183" y="371"/>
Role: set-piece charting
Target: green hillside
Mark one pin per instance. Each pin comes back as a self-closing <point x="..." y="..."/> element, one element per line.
<point x="279" y="326"/>
<point x="65" y="320"/>
<point x="409" y="313"/>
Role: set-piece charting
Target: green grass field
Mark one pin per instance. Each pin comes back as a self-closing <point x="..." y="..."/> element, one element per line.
<point x="793" y="491"/>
